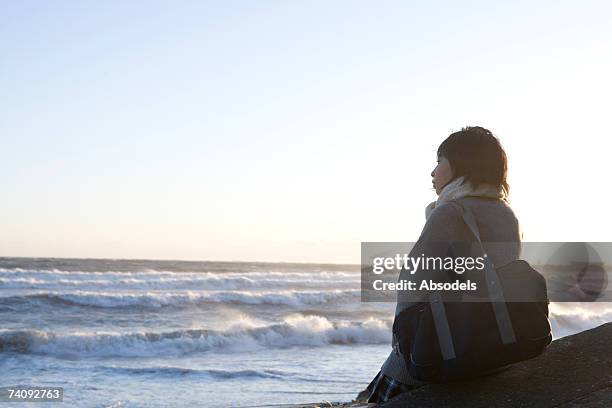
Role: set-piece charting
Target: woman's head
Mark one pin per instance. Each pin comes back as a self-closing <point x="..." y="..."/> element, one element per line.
<point x="475" y="154"/>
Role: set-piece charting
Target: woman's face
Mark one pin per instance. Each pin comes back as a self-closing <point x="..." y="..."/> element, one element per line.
<point x="442" y="174"/>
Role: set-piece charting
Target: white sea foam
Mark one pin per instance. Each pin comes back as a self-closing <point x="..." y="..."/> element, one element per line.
<point x="294" y="330"/>
<point x="189" y="298"/>
<point x="19" y="279"/>
<point x="206" y="281"/>
<point x="154" y="273"/>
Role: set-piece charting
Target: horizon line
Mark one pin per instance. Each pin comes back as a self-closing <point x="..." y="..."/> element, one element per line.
<point x="179" y="260"/>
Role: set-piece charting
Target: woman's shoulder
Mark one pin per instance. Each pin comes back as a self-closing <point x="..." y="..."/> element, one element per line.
<point x="444" y="222"/>
<point x="480" y="205"/>
<point x="446" y="211"/>
<point x="496" y="219"/>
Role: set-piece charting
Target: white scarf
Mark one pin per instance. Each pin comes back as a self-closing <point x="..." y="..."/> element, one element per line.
<point x="459" y="188"/>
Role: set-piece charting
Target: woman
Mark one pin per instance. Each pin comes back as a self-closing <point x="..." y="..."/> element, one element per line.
<point x="472" y="166"/>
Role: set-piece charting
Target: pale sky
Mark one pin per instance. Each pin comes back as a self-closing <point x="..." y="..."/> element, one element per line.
<point x="290" y="130"/>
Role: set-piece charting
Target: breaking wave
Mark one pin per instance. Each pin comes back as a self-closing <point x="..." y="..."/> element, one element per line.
<point x="571" y="318"/>
<point x="187" y="298"/>
<point x="294" y="330"/>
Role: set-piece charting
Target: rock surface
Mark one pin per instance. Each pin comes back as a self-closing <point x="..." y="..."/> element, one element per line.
<point x="574" y="371"/>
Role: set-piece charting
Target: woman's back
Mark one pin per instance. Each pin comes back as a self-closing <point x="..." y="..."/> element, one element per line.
<point x="499" y="231"/>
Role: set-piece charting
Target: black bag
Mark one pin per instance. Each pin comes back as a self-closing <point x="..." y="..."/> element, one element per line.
<point x="457" y="340"/>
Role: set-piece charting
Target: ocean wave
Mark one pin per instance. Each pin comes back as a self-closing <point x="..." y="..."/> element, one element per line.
<point x="294" y="330"/>
<point x="57" y="280"/>
<point x="7" y="272"/>
<point x="208" y="281"/>
<point x="217" y="374"/>
<point x="167" y="371"/>
<point x="571" y="318"/>
<point x="187" y="298"/>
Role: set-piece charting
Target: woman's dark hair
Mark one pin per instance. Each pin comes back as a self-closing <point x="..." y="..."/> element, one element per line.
<point x="476" y="154"/>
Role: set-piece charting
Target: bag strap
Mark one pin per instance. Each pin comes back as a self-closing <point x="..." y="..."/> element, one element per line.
<point x="496" y="294"/>
<point x="445" y="339"/>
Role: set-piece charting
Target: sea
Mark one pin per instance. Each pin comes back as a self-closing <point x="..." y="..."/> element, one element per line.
<point x="146" y="333"/>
